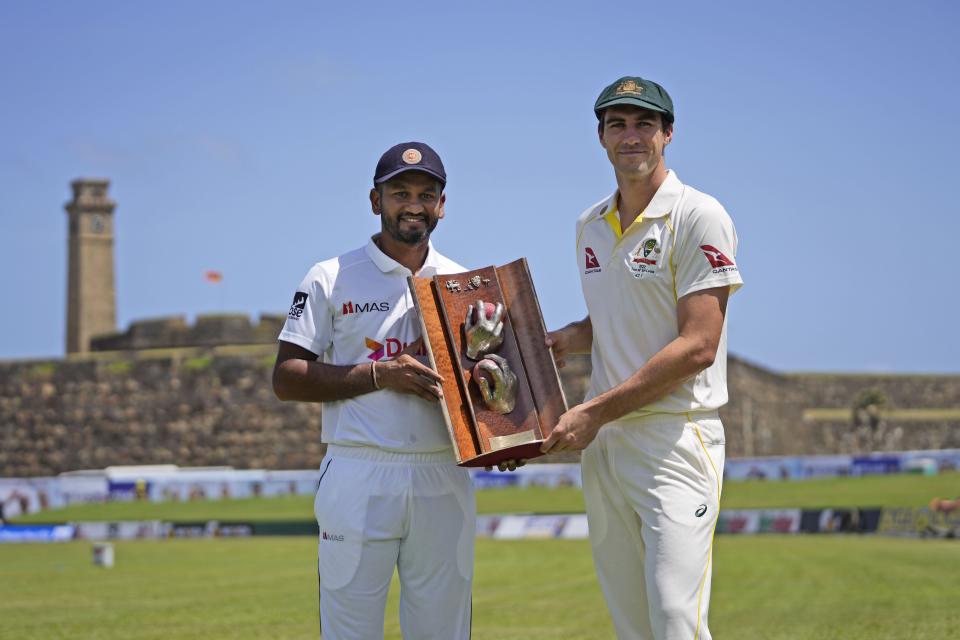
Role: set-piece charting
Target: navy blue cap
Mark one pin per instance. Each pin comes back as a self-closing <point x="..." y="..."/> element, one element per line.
<point x="409" y="156"/>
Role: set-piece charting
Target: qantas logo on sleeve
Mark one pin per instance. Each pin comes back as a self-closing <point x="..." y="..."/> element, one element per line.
<point x="719" y="262"/>
<point x="299" y="302"/>
<point x="362" y="307"/>
<point x="592" y="265"/>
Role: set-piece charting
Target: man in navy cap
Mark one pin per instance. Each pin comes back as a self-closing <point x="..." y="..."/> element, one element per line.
<point x="390" y="495"/>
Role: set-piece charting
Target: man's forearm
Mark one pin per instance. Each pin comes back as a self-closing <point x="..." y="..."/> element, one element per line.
<point x="307" y="381"/>
<point x="680" y="360"/>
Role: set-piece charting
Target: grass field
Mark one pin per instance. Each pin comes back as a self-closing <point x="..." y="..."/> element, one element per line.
<point x="765" y="587"/>
<point x="803" y="587"/>
<point x="868" y="491"/>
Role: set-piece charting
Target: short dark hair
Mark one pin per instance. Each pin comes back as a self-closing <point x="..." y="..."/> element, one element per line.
<point x="666" y="120"/>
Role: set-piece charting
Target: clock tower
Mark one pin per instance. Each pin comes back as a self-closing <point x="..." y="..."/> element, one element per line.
<point x="91" y="299"/>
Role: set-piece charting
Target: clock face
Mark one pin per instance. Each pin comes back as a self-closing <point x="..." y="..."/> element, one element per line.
<point x="96" y="224"/>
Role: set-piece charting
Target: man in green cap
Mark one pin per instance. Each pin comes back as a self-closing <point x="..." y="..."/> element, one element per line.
<point x="657" y="265"/>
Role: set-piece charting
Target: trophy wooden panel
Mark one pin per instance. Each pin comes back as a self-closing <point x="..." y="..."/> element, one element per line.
<point x="454" y="406"/>
<point x="454" y="302"/>
<point x="525" y="313"/>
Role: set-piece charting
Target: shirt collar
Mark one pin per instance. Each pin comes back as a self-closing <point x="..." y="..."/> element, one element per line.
<point x="662" y="203"/>
<point x="386" y="264"/>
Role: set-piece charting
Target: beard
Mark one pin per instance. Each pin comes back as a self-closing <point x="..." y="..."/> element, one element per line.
<point x="391" y="226"/>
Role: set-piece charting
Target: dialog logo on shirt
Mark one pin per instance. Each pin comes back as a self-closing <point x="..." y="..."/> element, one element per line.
<point x="390" y="348"/>
<point x="592" y="264"/>
<point x="299" y="302"/>
<point x="363" y="307"/>
<point x="719" y="262"/>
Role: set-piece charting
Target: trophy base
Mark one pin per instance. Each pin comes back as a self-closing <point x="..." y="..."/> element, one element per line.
<point x="525" y="451"/>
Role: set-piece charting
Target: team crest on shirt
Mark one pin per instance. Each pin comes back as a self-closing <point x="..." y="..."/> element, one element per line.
<point x="644" y="260"/>
<point x="719" y="263"/>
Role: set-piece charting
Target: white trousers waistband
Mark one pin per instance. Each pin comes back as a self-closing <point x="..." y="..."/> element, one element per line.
<point x="381" y="455"/>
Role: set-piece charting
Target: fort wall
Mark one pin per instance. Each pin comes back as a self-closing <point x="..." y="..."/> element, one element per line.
<point x="201" y="405"/>
<point x="207" y="331"/>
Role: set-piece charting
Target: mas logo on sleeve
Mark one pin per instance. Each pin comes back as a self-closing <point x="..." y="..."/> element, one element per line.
<point x="718" y="261"/>
<point x="299" y="302"/>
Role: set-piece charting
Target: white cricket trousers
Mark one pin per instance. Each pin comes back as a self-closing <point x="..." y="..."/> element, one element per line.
<point x="378" y="510"/>
<point x="652" y="490"/>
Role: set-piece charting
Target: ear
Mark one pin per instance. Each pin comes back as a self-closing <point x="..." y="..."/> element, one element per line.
<point x="600" y="123"/>
<point x="440" y="206"/>
<point x="668" y="135"/>
<point x="375" y="202"/>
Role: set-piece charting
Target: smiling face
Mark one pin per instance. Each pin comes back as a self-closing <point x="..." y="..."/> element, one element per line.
<point x="634" y="139"/>
<point x="409" y="205"/>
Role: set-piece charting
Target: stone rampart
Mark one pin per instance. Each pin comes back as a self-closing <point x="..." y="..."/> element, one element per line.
<point x="187" y="407"/>
<point x="215" y="406"/>
<point x="207" y="331"/>
<point x="850" y="413"/>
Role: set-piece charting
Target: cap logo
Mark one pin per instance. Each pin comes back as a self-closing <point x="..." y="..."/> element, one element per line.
<point x="412" y="156"/>
<point x="629" y="87"/>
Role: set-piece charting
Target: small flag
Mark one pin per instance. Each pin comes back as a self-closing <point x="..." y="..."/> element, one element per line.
<point x="213" y="276"/>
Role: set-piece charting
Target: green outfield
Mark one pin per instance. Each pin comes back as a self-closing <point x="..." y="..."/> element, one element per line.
<point x="765" y="588"/>
<point x="869" y="491"/>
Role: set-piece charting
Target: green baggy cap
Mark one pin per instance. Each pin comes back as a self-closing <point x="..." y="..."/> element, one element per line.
<point x="638" y="92"/>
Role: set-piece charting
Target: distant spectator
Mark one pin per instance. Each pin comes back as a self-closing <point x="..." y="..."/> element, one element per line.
<point x="944" y="505"/>
<point x="140" y="489"/>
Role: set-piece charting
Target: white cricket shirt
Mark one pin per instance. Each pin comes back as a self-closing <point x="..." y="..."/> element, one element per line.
<point x="683" y="242"/>
<point x="357" y="308"/>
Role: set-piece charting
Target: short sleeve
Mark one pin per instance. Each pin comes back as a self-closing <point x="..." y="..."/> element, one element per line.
<point x="706" y="251"/>
<point x="310" y="318"/>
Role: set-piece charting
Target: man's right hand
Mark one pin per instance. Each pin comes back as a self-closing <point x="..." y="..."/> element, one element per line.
<point x="559" y="342"/>
<point x="405" y="374"/>
<point x="573" y="338"/>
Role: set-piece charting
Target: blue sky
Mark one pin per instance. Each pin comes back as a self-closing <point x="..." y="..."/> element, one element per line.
<point x="242" y="137"/>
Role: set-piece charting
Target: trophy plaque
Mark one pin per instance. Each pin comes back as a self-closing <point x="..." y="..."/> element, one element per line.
<point x="483" y="332"/>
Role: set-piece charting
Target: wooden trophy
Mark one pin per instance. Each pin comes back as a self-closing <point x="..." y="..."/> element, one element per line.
<point x="483" y="331"/>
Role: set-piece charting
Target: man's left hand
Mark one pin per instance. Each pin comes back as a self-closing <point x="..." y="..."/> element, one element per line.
<point x="508" y="465"/>
<point x="573" y="433"/>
